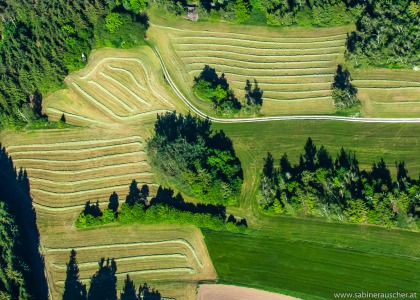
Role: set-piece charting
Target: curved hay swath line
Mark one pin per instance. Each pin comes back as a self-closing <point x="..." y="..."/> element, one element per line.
<point x="87" y="191"/>
<point x="299" y="99"/>
<point x="133" y="244"/>
<point x="76" y="143"/>
<point x="77" y="150"/>
<point x="76" y="116"/>
<point x="149" y="82"/>
<point x="396" y="103"/>
<point x="72" y="162"/>
<point x="87" y="170"/>
<point x="129" y="74"/>
<point x="204" y="60"/>
<point x="97" y="103"/>
<point x="118" y="100"/>
<point x="208" y="32"/>
<point x="145" y="271"/>
<point x="390" y="88"/>
<point x="128" y="258"/>
<point x="261" y="50"/>
<point x="272" y="76"/>
<point x="194" y="66"/>
<point x="265" y="72"/>
<point x="212" y="52"/>
<point x="253" y="41"/>
<point x="260" y="84"/>
<point x="140" y="99"/>
<point x="76" y="207"/>
<point x="355" y="81"/>
<point x="109" y="111"/>
<point x="90" y="180"/>
<point x="295" y="92"/>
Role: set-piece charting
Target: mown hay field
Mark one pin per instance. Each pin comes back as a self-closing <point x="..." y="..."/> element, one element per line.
<point x="294" y="67"/>
<point x="113" y="102"/>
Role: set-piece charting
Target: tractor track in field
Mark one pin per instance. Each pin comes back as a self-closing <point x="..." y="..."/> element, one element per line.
<point x="277" y="118"/>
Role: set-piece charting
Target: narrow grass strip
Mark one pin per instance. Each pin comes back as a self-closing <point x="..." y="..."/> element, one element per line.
<point x="274" y="43"/>
<point x="133" y="244"/>
<point x="88" y="143"/>
<point x="125" y="87"/>
<point x="118" y="100"/>
<point x="51" y="183"/>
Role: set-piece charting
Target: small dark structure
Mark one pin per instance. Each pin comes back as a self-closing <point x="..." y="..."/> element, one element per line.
<point x="192" y="14"/>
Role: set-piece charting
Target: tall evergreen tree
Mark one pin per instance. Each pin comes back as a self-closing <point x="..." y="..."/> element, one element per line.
<point x="74" y="289"/>
<point x="133" y="194"/>
<point x="268" y="169"/>
<point x="129" y="289"/>
<point x="103" y="284"/>
<point x="113" y="202"/>
<point x="309" y="156"/>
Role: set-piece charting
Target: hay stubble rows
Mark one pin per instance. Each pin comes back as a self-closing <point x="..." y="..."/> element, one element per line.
<point x="114" y="100"/>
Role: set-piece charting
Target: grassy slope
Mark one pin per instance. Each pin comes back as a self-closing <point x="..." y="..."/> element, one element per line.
<point x="280" y="265"/>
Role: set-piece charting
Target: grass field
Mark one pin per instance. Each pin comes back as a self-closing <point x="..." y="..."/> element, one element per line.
<point x="252" y="141"/>
<point x="272" y="262"/>
<point x="294" y="66"/>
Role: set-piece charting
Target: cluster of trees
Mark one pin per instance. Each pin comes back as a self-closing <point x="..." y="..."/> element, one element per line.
<point x="103" y="284"/>
<point x="201" y="163"/>
<point x="387" y="35"/>
<point x="319" y="13"/>
<point x="165" y="207"/>
<point x="344" y="92"/>
<point x="12" y="282"/>
<point x="339" y="190"/>
<point x="40" y="42"/>
<point x="21" y="265"/>
<point x="209" y="86"/>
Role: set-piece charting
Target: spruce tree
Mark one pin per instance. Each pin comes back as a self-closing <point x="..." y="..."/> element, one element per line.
<point x="133" y="194"/>
<point x="74" y="289"/>
<point x="113" y="202"/>
<point x="103" y="284"/>
<point x="129" y="290"/>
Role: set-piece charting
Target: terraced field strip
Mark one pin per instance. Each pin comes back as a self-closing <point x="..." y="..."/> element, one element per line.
<point x="166" y="253"/>
<point x="112" y="89"/>
<point x="71" y="172"/>
<point x="289" y="66"/>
